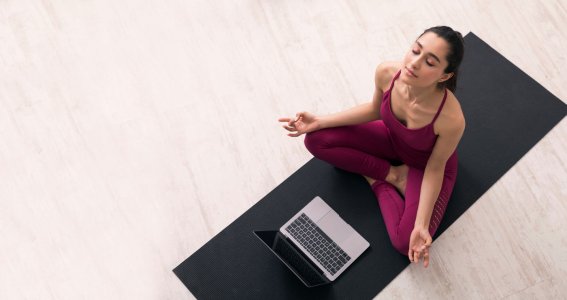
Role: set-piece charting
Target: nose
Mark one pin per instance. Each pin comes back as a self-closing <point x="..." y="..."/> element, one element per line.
<point x="415" y="63"/>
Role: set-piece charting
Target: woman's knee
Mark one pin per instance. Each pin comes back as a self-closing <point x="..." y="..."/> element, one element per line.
<point x="316" y="141"/>
<point x="401" y="243"/>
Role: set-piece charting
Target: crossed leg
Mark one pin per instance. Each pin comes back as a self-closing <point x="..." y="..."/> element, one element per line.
<point x="366" y="149"/>
<point x="399" y="214"/>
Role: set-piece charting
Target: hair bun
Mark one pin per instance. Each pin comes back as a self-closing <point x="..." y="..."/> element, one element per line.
<point x="458" y="34"/>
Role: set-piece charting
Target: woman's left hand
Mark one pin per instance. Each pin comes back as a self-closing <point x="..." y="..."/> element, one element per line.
<point x="420" y="241"/>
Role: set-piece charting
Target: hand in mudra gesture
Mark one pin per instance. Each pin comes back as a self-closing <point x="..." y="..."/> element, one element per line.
<point x="304" y="122"/>
<point x="420" y="241"/>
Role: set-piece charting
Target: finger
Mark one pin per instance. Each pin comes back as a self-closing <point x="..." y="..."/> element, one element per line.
<point x="289" y="128"/>
<point x="295" y="134"/>
<point x="428" y="241"/>
<point x="426" y="258"/>
<point x="293" y="121"/>
<point x="284" y="119"/>
<point x="416" y="256"/>
<point x="410" y="255"/>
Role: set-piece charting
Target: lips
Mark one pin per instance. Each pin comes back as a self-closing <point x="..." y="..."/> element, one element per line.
<point x="411" y="73"/>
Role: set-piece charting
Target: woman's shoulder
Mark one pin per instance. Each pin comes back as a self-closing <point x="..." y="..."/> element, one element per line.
<point x="451" y="115"/>
<point x="453" y="105"/>
<point x="385" y="72"/>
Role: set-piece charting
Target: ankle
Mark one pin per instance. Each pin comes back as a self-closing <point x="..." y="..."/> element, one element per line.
<point x="369" y="179"/>
<point x="393" y="175"/>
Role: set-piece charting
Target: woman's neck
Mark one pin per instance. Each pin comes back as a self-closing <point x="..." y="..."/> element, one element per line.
<point x="418" y="95"/>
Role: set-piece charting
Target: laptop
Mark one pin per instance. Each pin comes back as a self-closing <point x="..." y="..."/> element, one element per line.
<point x="316" y="244"/>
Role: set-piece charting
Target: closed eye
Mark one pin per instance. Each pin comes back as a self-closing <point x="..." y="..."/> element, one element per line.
<point x="427" y="62"/>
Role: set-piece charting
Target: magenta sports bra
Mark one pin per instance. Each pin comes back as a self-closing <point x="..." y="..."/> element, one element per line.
<point x="413" y="145"/>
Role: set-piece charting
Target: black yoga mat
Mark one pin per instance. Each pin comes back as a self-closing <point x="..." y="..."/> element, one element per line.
<point x="507" y="113"/>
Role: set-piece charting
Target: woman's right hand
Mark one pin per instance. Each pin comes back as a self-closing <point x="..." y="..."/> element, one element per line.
<point x="304" y="122"/>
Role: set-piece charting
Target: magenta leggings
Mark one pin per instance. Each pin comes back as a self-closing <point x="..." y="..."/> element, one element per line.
<point x="366" y="149"/>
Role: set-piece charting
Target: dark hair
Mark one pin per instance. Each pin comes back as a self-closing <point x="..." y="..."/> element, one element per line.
<point x="455" y="55"/>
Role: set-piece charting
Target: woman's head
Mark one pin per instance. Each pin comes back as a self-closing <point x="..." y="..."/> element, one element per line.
<point x="434" y="58"/>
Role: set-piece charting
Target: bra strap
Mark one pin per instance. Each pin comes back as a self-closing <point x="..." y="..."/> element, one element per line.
<point x="440" y="107"/>
<point x="394" y="79"/>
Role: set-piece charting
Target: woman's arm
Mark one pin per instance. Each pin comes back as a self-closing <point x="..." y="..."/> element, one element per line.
<point x="445" y="145"/>
<point x="450" y="132"/>
<point x="365" y="112"/>
<point x="359" y="114"/>
<point x="305" y="122"/>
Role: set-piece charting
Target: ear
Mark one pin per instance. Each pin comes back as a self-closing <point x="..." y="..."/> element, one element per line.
<point x="446" y="77"/>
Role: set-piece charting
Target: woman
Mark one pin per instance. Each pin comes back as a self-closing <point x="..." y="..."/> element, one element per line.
<point x="404" y="141"/>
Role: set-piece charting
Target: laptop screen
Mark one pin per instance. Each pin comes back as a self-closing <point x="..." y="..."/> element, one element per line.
<point x="302" y="265"/>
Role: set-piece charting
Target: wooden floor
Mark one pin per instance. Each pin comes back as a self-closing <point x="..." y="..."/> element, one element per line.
<point x="134" y="131"/>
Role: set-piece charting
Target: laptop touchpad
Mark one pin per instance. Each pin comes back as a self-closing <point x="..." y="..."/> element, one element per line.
<point x="335" y="227"/>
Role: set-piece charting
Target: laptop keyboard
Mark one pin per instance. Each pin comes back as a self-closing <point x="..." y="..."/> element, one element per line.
<point x="318" y="244"/>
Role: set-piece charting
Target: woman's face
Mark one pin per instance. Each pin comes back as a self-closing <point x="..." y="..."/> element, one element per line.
<point x="425" y="62"/>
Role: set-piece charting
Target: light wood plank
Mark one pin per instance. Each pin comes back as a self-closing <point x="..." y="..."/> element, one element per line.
<point x="134" y="131"/>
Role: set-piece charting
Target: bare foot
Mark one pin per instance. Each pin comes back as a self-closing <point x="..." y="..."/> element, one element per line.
<point x="398" y="177"/>
<point x="370" y="180"/>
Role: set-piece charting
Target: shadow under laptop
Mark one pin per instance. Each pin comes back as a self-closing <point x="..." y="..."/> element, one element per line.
<point x="310" y="284"/>
<point x="293" y="260"/>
